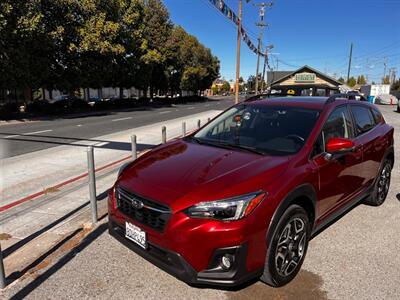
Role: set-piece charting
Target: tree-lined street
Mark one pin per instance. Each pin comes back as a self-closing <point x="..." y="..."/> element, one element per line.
<point x="17" y="139"/>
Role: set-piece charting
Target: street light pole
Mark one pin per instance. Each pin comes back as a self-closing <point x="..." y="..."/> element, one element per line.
<point x="239" y="36"/>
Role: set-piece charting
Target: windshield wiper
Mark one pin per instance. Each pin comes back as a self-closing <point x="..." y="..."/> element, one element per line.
<point x="226" y="145"/>
<point x="242" y="147"/>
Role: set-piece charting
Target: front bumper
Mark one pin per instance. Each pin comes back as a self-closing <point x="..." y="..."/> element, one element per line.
<point x="176" y="265"/>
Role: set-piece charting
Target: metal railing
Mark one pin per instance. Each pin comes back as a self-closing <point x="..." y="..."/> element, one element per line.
<point x="92" y="183"/>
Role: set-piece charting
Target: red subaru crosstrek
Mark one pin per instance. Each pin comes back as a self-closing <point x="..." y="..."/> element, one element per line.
<point x="241" y="197"/>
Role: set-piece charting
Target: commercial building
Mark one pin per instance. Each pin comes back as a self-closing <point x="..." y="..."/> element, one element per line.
<point x="304" y="81"/>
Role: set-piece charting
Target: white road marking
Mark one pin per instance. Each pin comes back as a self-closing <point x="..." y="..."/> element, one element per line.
<point x="121" y="119"/>
<point x="164" y="112"/>
<point x="207" y="105"/>
<point x="101" y="144"/>
<point x="28" y="133"/>
<point x="192" y="107"/>
<point x="79" y="125"/>
<point x="36" y="132"/>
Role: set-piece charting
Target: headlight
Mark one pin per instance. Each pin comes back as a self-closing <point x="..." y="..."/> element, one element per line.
<point x="227" y="209"/>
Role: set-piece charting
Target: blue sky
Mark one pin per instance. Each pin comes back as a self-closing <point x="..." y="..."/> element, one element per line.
<point x="313" y="32"/>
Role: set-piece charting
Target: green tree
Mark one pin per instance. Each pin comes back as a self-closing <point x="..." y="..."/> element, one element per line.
<point x="25" y="52"/>
<point x="361" y="80"/>
<point x="225" y="87"/>
<point x="386" y="80"/>
<point x="71" y="44"/>
<point x="341" y="79"/>
<point x="215" y="90"/>
<point x="251" y="83"/>
<point x="156" y="32"/>
<point x="396" y="88"/>
<point x="351" y="82"/>
<point x="193" y="66"/>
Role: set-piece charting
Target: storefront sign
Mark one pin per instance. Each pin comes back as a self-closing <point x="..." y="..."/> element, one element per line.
<point x="304" y="77"/>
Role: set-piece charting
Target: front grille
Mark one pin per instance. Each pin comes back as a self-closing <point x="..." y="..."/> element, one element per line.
<point x="142" y="210"/>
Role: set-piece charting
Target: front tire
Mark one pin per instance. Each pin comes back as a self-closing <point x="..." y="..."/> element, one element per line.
<point x="381" y="186"/>
<point x="288" y="247"/>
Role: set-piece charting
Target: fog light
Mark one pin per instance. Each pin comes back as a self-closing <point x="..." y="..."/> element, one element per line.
<point x="226" y="261"/>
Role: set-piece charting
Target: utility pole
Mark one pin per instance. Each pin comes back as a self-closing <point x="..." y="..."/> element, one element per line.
<point x="384" y="68"/>
<point x="239" y="36"/>
<point x="350" y="57"/>
<point x="265" y="65"/>
<point x="260" y="24"/>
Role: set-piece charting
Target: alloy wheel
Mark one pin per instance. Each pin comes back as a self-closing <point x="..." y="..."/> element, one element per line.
<point x="384" y="182"/>
<point x="291" y="246"/>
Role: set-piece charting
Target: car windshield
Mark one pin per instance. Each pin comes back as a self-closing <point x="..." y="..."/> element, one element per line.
<point x="262" y="129"/>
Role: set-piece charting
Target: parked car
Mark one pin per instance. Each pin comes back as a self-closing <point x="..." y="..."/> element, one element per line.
<point x="70" y="104"/>
<point x="386" y="99"/>
<point x="241" y="197"/>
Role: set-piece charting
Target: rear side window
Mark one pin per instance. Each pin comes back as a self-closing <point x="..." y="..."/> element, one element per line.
<point x="363" y="118"/>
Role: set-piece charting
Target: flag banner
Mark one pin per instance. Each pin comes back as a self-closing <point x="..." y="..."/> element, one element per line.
<point x="227" y="12"/>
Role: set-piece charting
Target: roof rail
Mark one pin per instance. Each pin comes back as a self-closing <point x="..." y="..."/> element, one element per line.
<point x="347" y="96"/>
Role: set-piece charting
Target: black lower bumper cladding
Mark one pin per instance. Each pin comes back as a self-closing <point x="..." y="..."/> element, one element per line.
<point x="174" y="264"/>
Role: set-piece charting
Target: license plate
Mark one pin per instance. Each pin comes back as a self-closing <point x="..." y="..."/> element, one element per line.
<point x="135" y="234"/>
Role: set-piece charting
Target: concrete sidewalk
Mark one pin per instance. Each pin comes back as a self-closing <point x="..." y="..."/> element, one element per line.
<point x="29" y="230"/>
<point x="35" y="172"/>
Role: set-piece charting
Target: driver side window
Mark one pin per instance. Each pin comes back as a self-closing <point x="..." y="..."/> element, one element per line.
<point x="338" y="125"/>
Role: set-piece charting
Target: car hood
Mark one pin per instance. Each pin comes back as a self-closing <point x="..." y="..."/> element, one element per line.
<point x="182" y="173"/>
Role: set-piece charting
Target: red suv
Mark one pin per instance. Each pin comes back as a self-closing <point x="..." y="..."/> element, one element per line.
<point x="241" y="197"/>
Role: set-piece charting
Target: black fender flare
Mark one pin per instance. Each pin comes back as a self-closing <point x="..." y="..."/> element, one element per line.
<point x="389" y="150"/>
<point x="304" y="190"/>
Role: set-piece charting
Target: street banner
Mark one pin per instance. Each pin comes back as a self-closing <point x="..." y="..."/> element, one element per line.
<point x="230" y="14"/>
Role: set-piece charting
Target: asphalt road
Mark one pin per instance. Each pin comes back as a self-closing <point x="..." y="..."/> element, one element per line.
<point x="37" y="135"/>
<point x="355" y="258"/>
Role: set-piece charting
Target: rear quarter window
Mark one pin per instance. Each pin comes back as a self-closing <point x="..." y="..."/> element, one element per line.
<point x="364" y="120"/>
<point x="377" y="115"/>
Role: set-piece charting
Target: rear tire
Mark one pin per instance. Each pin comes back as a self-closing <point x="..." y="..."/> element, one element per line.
<point x="381" y="186"/>
<point x="287" y="248"/>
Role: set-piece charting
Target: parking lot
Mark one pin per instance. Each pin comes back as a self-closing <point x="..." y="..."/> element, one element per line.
<point x="355" y="258"/>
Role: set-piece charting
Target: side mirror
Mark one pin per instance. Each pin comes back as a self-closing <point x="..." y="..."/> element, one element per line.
<point x="339" y="146"/>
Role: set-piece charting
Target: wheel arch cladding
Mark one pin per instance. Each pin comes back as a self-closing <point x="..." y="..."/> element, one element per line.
<point x="390" y="155"/>
<point x="304" y="196"/>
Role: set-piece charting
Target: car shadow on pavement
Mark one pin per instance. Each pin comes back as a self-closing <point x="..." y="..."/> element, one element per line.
<point x="39" y="279"/>
<point x="62" y="140"/>
<point x="8" y="251"/>
<point x="398" y="196"/>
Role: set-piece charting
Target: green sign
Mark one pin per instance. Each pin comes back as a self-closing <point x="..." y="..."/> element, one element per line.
<point x="304" y="77"/>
